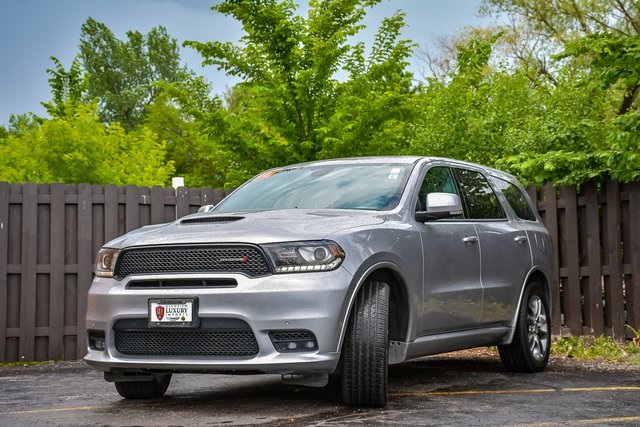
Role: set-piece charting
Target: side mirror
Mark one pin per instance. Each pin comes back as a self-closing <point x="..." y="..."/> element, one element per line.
<point x="440" y="206"/>
<point x="205" y="208"/>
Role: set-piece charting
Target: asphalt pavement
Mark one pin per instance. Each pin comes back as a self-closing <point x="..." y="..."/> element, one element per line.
<point x="452" y="390"/>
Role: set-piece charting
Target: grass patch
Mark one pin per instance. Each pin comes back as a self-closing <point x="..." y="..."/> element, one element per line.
<point x="601" y="348"/>
<point x="37" y="363"/>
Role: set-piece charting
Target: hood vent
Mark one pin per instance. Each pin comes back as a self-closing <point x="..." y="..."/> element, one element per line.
<point x="210" y="219"/>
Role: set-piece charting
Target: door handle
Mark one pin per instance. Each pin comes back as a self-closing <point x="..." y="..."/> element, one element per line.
<point x="520" y="239"/>
<point x="470" y="240"/>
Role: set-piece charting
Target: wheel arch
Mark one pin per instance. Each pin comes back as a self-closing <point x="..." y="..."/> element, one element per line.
<point x="399" y="314"/>
<point x="538" y="276"/>
<point x="400" y="308"/>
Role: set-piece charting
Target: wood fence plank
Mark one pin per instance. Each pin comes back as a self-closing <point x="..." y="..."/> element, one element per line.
<point x="144" y="203"/>
<point x="157" y="205"/>
<point x="195" y="196"/>
<point x="571" y="297"/>
<point x="28" y="272"/>
<point x="182" y="202"/>
<point x="218" y="195"/>
<point x="593" y="294"/>
<point x="85" y="263"/>
<point x="56" y="273"/>
<point x="551" y="222"/>
<point x="4" y="258"/>
<point x="69" y="341"/>
<point x="614" y="286"/>
<point x="132" y="206"/>
<point x="110" y="212"/>
<point x="633" y="285"/>
<point x="207" y="196"/>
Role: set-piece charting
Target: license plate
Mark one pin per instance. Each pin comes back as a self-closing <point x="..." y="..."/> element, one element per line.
<point x="172" y="312"/>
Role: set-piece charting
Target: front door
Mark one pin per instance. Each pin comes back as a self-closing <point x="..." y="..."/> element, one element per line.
<point x="452" y="292"/>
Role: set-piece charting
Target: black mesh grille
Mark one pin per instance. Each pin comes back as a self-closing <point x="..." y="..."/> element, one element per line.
<point x="150" y="342"/>
<point x="182" y="284"/>
<point x="248" y="260"/>
<point x="292" y="336"/>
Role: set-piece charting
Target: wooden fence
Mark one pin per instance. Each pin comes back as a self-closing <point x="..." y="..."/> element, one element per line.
<point x="49" y="236"/>
<point x="50" y="233"/>
<point x="596" y="235"/>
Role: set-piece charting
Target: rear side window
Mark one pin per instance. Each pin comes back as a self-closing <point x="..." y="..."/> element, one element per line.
<point x="480" y="202"/>
<point x="516" y="199"/>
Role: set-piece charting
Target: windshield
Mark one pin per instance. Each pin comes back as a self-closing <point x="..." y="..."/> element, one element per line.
<point x="324" y="186"/>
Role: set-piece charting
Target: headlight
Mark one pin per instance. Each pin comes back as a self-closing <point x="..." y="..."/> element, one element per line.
<point x="106" y="262"/>
<point x="297" y="257"/>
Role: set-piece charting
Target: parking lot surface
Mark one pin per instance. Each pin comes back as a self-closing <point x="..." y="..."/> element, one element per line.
<point x="466" y="388"/>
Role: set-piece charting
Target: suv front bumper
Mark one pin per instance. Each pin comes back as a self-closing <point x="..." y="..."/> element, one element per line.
<point x="316" y="302"/>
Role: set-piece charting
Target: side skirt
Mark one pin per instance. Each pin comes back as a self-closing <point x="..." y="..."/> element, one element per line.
<point x="442" y="343"/>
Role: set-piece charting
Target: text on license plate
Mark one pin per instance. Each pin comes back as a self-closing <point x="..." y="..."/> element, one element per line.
<point x="171" y="311"/>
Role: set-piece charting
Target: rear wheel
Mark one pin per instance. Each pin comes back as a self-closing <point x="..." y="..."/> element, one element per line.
<point x="364" y="370"/>
<point x="144" y="389"/>
<point x="529" y="350"/>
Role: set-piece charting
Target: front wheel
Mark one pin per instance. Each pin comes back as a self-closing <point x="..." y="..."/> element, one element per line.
<point x="365" y="349"/>
<point x="529" y="350"/>
<point x="144" y="389"/>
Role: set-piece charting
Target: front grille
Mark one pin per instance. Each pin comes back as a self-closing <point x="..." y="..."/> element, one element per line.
<point x="234" y="341"/>
<point x="182" y="284"/>
<point x="243" y="259"/>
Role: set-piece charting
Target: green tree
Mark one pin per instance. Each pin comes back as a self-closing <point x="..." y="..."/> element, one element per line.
<point x="554" y="100"/>
<point x="176" y="116"/>
<point x="376" y="109"/>
<point x="121" y="75"/>
<point x="575" y="30"/>
<point x="67" y="86"/>
<point x="288" y="107"/>
<point x="79" y="148"/>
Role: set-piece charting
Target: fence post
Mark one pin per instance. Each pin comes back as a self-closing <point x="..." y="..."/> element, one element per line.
<point x="56" y="272"/>
<point x="613" y="283"/>
<point x="4" y="255"/>
<point x="593" y="293"/>
<point x="633" y="286"/>
<point x="551" y="222"/>
<point x="85" y="262"/>
<point x="28" y="272"/>
<point x="571" y="296"/>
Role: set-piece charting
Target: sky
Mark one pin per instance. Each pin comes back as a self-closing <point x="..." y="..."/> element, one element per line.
<point x="31" y="31"/>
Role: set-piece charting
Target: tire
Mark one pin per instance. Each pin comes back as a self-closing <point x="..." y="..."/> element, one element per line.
<point x="144" y="389"/>
<point x="529" y="350"/>
<point x="366" y="346"/>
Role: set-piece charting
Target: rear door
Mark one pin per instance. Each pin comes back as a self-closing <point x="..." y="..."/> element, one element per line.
<point x="505" y="255"/>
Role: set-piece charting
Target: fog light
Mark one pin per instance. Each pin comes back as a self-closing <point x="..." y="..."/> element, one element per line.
<point x="96" y="340"/>
<point x="293" y="341"/>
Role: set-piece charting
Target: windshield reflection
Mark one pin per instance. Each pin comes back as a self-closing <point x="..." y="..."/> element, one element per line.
<point x="336" y="186"/>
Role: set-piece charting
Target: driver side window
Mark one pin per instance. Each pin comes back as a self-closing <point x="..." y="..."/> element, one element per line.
<point x="438" y="179"/>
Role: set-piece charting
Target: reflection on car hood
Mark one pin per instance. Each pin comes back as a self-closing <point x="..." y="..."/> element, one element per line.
<point x="249" y="227"/>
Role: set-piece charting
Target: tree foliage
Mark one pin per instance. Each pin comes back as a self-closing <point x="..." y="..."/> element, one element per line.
<point x="79" y="148"/>
<point x="122" y="75"/>
<point x="550" y="96"/>
<point x="291" y="106"/>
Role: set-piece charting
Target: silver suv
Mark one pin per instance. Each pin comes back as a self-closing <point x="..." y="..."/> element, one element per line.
<point x="339" y="266"/>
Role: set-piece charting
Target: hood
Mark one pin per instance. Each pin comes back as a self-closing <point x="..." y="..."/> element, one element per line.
<point x="249" y="227"/>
